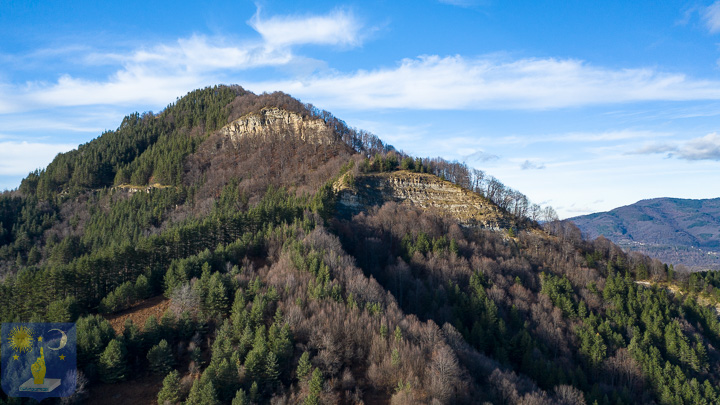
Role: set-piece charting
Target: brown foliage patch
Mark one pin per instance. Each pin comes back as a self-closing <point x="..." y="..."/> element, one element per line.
<point x="139" y="313"/>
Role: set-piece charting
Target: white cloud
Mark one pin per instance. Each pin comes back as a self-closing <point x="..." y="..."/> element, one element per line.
<point x="703" y="148"/>
<point x="711" y="16"/>
<point x="455" y="82"/>
<point x="20" y="158"/>
<point x="146" y="77"/>
<point x="157" y="75"/>
<point x="200" y="53"/>
<point x="336" y="28"/>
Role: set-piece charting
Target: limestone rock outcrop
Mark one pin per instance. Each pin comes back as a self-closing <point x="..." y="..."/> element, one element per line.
<point x="421" y="190"/>
<point x="273" y="122"/>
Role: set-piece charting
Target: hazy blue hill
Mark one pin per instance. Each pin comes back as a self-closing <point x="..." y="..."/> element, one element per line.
<point x="675" y="230"/>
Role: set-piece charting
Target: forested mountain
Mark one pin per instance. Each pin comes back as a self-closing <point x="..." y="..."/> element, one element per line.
<point x="675" y="230"/>
<point x="303" y="261"/>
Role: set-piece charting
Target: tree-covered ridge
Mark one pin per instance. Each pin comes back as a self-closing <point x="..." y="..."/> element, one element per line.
<point x="143" y="146"/>
<point x="274" y="298"/>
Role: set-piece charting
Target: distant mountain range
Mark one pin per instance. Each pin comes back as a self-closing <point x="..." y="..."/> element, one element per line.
<point x="674" y="230"/>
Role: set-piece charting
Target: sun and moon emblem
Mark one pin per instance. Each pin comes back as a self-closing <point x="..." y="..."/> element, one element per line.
<point x="21" y="340"/>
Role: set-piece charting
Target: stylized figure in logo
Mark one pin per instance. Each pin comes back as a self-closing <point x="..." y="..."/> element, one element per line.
<point x="38" y="369"/>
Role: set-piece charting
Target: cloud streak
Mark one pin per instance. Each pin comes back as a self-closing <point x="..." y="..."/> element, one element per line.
<point x="711" y="17"/>
<point x="456" y="82"/>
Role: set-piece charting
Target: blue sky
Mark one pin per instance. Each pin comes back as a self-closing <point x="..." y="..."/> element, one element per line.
<point x="585" y="107"/>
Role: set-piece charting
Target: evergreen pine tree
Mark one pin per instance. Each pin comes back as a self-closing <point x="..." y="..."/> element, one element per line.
<point x="217" y="300"/>
<point x="226" y="377"/>
<point x="161" y="358"/>
<point x="64" y="310"/>
<point x="283" y="344"/>
<point x="142" y="288"/>
<point x="272" y="369"/>
<point x="240" y="398"/>
<point x="112" y="365"/>
<point x="316" y="384"/>
<point x="238" y="314"/>
<point x="304" y="366"/>
<point x="174" y="278"/>
<point x="93" y="335"/>
<point x="169" y="393"/>
<point x="254" y="363"/>
<point x="202" y="393"/>
<point x="246" y="340"/>
<point x="254" y="392"/>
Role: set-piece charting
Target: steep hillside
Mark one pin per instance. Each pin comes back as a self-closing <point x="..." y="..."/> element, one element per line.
<point x="674" y="230"/>
<point x="297" y="260"/>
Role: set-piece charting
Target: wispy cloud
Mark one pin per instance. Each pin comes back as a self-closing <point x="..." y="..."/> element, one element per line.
<point x="702" y="148"/>
<point x="528" y="165"/>
<point x="480" y="157"/>
<point x="456" y="82"/>
<point x="711" y="17"/>
<point x="20" y="158"/>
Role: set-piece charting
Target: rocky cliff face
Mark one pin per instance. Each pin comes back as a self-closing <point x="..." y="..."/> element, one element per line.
<point x="421" y="190"/>
<point x="273" y="122"/>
